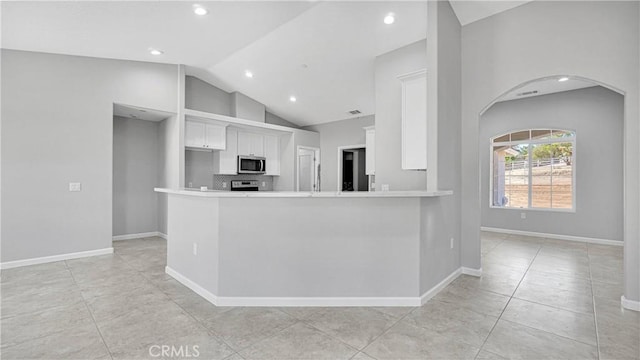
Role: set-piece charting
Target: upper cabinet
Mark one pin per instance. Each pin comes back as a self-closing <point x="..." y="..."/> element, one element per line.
<point x="250" y="144"/>
<point x="204" y="136"/>
<point x="272" y="153"/>
<point x="414" y="120"/>
<point x="225" y="162"/>
<point x="370" y="155"/>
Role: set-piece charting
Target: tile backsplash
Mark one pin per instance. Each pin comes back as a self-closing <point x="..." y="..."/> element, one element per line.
<point x="219" y="180"/>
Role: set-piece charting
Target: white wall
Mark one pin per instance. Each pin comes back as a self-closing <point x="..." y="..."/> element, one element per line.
<point x="333" y="135"/>
<point x="169" y="160"/>
<point x="596" y="115"/>
<point x="389" y="115"/>
<point x="57" y="119"/>
<point x="595" y="40"/>
<point x="135" y="174"/>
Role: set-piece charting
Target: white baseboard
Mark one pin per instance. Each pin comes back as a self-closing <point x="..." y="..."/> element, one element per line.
<point x="192" y="285"/>
<point x="630" y="304"/>
<point x="139" y="236"/>
<point x="53" y="258"/>
<point x="441" y="285"/>
<point x="472" y="272"/>
<point x="318" y="301"/>
<point x="292" y="301"/>
<point x="555" y="236"/>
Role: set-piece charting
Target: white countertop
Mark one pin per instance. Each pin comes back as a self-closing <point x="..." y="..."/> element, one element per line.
<point x="293" y="194"/>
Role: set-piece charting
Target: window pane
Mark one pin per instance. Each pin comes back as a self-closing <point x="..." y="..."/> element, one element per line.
<point x="541" y="175"/>
<point x="540" y="134"/>
<point x="510" y="176"/>
<point x="563" y="133"/>
<point x="503" y="138"/>
<point x="520" y="135"/>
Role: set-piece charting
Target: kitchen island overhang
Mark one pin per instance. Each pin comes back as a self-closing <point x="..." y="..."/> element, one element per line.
<point x="309" y="249"/>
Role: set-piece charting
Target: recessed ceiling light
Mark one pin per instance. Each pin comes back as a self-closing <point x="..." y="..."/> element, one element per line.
<point x="248" y="74"/>
<point x="389" y="19"/>
<point x="292" y="98"/>
<point x="562" y="79"/>
<point x="156" y="52"/>
<point x="199" y="10"/>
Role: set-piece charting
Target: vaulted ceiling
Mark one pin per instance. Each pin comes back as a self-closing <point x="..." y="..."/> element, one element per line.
<point x="320" y="52"/>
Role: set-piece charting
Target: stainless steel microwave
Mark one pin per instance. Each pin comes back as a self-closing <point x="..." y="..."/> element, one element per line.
<point x="251" y="165"/>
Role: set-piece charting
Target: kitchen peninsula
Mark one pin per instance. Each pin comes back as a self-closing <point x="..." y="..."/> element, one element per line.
<point x="302" y="248"/>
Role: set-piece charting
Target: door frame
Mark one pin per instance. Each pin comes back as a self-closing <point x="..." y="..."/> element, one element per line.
<point x="315" y="168"/>
<point x="340" y="149"/>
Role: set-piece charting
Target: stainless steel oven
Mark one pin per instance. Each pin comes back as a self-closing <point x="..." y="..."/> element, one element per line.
<point x="251" y="165"/>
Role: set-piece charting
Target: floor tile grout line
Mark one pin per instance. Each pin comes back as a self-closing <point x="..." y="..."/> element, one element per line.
<point x="593" y="300"/>
<point x="332" y="337"/>
<point x="507" y="304"/>
<point x="84" y="301"/>
<point x="200" y="323"/>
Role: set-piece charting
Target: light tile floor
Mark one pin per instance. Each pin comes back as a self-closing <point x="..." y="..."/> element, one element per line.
<point x="537" y="299"/>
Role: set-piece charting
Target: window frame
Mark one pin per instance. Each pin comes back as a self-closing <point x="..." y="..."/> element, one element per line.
<point x="530" y="142"/>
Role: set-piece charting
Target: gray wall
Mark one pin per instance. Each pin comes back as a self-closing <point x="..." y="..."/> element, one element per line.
<point x="198" y="167"/>
<point x="596" y="114"/>
<point x="244" y="107"/>
<point x="389" y="115"/>
<point x="596" y="40"/>
<point x="135" y="174"/>
<point x="332" y="135"/>
<point x="202" y="96"/>
<point x="443" y="223"/>
<point x="277" y="120"/>
<point x="57" y="119"/>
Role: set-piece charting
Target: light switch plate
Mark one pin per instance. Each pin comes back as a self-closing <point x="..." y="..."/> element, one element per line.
<point x="523" y="215"/>
<point x="75" y="186"/>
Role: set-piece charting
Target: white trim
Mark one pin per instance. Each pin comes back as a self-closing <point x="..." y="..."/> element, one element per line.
<point x="440" y="286"/>
<point x="313" y="301"/>
<point x="139" y="236"/>
<point x="53" y="258"/>
<point x="472" y="272"/>
<point x="192" y="285"/>
<point x="630" y="304"/>
<point x="555" y="236"/>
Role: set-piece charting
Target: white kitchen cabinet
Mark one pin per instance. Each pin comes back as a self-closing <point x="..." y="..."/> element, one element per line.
<point x="414" y="120"/>
<point x="204" y="136"/>
<point x="250" y="144"/>
<point x="370" y="155"/>
<point x="272" y="154"/>
<point x="225" y="162"/>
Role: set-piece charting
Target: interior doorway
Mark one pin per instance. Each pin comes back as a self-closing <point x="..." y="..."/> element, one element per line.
<point x="351" y="168"/>
<point x="308" y="162"/>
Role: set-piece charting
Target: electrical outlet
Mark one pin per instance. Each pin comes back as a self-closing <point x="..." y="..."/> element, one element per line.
<point x="190" y="184"/>
<point x="523" y="215"/>
<point x="385" y="187"/>
<point x="75" y="186"/>
<point x="451" y="241"/>
<point x="195" y="248"/>
<point x="264" y="184"/>
<point x="224" y="184"/>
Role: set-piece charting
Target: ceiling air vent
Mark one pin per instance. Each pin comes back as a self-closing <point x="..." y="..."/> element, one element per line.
<point x="526" y="93"/>
<point x="354" y="112"/>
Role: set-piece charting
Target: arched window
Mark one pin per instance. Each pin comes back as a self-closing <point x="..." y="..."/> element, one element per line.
<point x="533" y="169"/>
